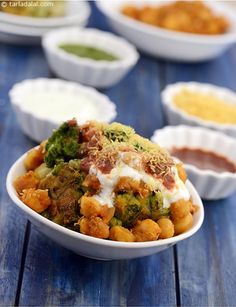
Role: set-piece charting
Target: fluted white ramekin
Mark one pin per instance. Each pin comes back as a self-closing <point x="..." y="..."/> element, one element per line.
<point x="176" y="116"/>
<point x="39" y="128"/>
<point x="99" y="74"/>
<point x="209" y="184"/>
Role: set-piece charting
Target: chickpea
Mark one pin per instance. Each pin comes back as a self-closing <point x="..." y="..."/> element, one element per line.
<point x="26" y="181"/>
<point x="91" y="182"/>
<point x="181" y="172"/>
<point x="183" y="224"/>
<point x="33" y="159"/>
<point x="84" y="225"/>
<point x="89" y="207"/>
<point x="107" y="213"/>
<point x="38" y="200"/>
<point x="130" y="11"/>
<point x="119" y="233"/>
<point x="179" y="209"/>
<point x="146" y="230"/>
<point x="94" y="226"/>
<point x="167" y="228"/>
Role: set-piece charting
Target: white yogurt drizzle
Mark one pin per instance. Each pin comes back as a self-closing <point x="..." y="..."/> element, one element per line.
<point x="109" y="181"/>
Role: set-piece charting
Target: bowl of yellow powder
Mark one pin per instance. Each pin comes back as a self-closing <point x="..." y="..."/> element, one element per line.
<point x="200" y="104"/>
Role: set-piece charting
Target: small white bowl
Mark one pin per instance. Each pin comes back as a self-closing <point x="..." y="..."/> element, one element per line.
<point x="76" y="12"/>
<point x="100" y="74"/>
<point x="168" y="44"/>
<point x="92" y="247"/>
<point x="176" y="116"/>
<point x="39" y="127"/>
<point x="209" y="184"/>
<point x="29" y="30"/>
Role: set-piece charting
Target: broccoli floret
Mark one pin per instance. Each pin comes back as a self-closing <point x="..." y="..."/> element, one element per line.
<point x="115" y="222"/>
<point x="128" y="209"/>
<point x="155" y="204"/>
<point x="62" y="145"/>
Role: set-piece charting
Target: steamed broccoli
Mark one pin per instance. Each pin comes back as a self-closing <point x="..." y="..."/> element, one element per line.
<point x="115" y="222"/>
<point x="128" y="209"/>
<point x="63" y="144"/>
<point x="155" y="204"/>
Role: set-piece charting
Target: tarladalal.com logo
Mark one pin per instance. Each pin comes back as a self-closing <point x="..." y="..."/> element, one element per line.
<point x="5" y="4"/>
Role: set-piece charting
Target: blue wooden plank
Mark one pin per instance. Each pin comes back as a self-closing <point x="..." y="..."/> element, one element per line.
<point x="15" y="65"/>
<point x="206" y="262"/>
<point x="58" y="277"/>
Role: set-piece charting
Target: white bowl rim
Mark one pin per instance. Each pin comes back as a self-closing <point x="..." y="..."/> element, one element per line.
<point x="208" y="133"/>
<point x="16" y="97"/>
<point x="127" y="61"/>
<point x="165" y="98"/>
<point x="49" y="21"/>
<point x="102" y="242"/>
<point x="228" y="37"/>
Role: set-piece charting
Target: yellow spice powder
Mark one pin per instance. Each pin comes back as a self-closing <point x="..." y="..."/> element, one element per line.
<point x="206" y="106"/>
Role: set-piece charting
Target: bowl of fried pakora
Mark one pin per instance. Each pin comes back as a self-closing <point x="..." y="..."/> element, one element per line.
<point x="188" y="31"/>
<point x="105" y="192"/>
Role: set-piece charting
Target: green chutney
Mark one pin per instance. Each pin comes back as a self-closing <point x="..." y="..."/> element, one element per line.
<point x="84" y="51"/>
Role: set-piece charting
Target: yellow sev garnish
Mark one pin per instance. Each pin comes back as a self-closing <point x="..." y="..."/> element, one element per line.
<point x="206" y="106"/>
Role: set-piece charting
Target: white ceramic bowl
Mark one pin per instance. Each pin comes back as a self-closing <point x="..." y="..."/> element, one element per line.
<point x="170" y="44"/>
<point x="93" y="247"/>
<point x="175" y="116"/>
<point x="39" y="127"/>
<point x="27" y="30"/>
<point x="87" y="71"/>
<point x="76" y="12"/>
<point x="208" y="183"/>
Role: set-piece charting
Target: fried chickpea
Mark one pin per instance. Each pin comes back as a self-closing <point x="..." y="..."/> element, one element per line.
<point x="26" y="181"/>
<point x="91" y="182"/>
<point x="38" y="200"/>
<point x="183" y="224"/>
<point x="33" y="159"/>
<point x="130" y="11"/>
<point x="148" y="16"/>
<point x="167" y="228"/>
<point x="146" y="230"/>
<point x="89" y="207"/>
<point x="179" y="209"/>
<point x="94" y="226"/>
<point x="119" y="233"/>
<point x="107" y="213"/>
<point x="181" y="172"/>
<point x="194" y="208"/>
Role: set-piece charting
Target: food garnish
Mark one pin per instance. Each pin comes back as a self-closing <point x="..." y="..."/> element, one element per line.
<point x="204" y="159"/>
<point x="206" y="106"/>
<point x="89" y="52"/>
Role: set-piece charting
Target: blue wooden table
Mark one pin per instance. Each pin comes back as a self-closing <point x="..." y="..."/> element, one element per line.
<point x="34" y="271"/>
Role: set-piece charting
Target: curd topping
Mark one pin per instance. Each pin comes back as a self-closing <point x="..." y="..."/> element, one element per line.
<point x="121" y="169"/>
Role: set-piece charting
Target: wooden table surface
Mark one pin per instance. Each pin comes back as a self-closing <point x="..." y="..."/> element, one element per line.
<point x="35" y="271"/>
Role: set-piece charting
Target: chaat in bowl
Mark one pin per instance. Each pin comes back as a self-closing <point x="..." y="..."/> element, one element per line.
<point x="104" y="183"/>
